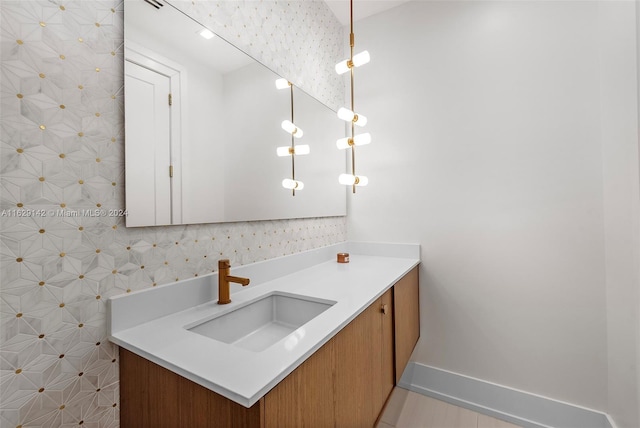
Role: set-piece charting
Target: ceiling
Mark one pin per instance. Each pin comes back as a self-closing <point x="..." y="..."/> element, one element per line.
<point x="168" y="26"/>
<point x="361" y="8"/>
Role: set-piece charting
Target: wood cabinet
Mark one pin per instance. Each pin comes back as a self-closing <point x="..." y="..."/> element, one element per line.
<point x="406" y="318"/>
<point x="344" y="384"/>
<point x="305" y="398"/>
<point x="364" y="365"/>
<point x="154" y="397"/>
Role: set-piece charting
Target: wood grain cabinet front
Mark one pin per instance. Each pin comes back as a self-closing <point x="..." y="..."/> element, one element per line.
<point x="364" y="365"/>
<point x="154" y="397"/>
<point x="406" y="319"/>
<point x="305" y="398"/>
<point x="345" y="383"/>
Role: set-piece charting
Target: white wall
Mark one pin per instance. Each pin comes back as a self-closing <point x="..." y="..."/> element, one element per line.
<point x="619" y="123"/>
<point x="202" y="160"/>
<point x="637" y="234"/>
<point x="488" y="151"/>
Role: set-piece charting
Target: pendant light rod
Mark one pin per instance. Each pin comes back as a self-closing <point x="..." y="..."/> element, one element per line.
<point x="293" y="148"/>
<point x="352" y="42"/>
<point x="349" y="115"/>
<point x="351" y="36"/>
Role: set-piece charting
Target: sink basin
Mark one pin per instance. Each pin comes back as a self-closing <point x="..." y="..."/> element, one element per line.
<point x="261" y="323"/>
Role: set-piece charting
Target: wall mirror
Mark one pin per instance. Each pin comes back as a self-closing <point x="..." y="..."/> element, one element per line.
<point x="202" y="124"/>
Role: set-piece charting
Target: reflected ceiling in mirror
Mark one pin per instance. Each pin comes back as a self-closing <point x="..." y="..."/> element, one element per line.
<point x="202" y="124"/>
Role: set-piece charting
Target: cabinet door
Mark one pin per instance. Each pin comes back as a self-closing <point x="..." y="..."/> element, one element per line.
<point x="148" y="393"/>
<point x="387" y="369"/>
<point x="365" y="365"/>
<point x="358" y="350"/>
<point x="154" y="397"/>
<point x="305" y="397"/>
<point x="407" y="319"/>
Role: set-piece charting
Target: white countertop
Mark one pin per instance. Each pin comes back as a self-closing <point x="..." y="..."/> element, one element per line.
<point x="144" y="323"/>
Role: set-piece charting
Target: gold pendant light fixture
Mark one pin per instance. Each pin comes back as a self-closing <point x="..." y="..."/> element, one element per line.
<point x="350" y="115"/>
<point x="293" y="150"/>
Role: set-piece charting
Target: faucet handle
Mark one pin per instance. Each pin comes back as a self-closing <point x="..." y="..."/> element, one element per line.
<point x="224" y="264"/>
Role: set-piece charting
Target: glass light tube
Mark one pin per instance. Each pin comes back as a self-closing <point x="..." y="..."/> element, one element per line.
<point x="282" y="83"/>
<point x="358" y="140"/>
<point x="362" y="181"/>
<point x="288" y="183"/>
<point x="343" y="143"/>
<point x="346" y="114"/>
<point x="283" y="151"/>
<point x="342" y="67"/>
<point x="361" y="59"/>
<point x="291" y="128"/>
<point x="360" y="120"/>
<point x="350" y="180"/>
<point x="362" y="139"/>
<point x="349" y="116"/>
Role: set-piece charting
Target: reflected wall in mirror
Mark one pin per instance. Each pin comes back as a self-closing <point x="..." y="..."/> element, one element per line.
<point x="202" y="123"/>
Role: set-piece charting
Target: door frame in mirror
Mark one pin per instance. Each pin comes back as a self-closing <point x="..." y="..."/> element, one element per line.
<point x="177" y="74"/>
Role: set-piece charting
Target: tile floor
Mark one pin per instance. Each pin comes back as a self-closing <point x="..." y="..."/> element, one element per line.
<point x="407" y="409"/>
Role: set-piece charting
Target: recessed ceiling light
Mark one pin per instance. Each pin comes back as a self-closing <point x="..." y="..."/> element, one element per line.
<point x="207" y="34"/>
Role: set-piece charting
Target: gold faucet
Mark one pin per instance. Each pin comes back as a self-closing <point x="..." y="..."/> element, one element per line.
<point x="224" y="279"/>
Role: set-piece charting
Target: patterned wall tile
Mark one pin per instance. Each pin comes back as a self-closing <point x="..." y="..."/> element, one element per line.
<point x="62" y="169"/>
<point x="299" y="39"/>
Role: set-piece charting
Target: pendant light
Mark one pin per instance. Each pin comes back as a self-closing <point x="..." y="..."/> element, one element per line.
<point x="350" y="115"/>
<point x="293" y="150"/>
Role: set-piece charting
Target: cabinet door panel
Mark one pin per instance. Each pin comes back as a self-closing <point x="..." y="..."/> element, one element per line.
<point x="407" y="319"/>
<point x="154" y="397"/>
<point x="149" y="393"/>
<point x="387" y="368"/>
<point x="305" y="398"/>
<point x="358" y="376"/>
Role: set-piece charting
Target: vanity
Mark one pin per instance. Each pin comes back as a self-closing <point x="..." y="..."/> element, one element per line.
<point x="310" y="342"/>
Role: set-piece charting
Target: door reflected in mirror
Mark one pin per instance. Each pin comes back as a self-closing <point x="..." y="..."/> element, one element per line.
<point x="202" y="125"/>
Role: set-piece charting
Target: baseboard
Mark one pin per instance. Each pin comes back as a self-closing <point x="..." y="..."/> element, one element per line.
<point x="518" y="407"/>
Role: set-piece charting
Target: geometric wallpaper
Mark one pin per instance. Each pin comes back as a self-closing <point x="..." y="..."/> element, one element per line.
<point x="64" y="249"/>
